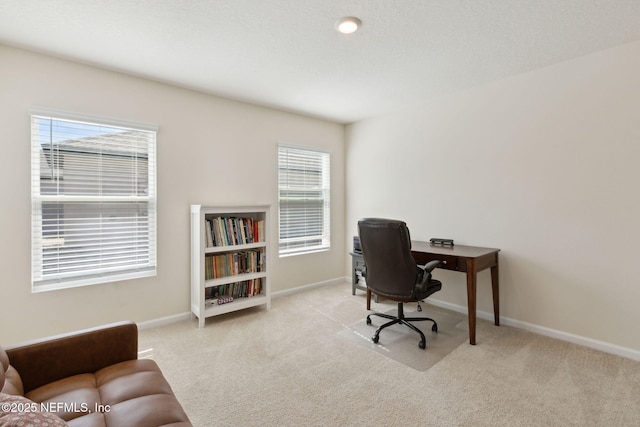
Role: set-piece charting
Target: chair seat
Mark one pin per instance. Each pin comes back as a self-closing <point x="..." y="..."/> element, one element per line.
<point x="430" y="287"/>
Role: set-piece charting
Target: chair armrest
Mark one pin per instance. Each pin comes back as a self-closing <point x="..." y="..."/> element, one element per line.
<point x="426" y="271"/>
<point x="49" y="359"/>
<point x="428" y="267"/>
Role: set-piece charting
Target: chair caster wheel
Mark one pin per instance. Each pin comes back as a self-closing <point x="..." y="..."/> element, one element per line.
<point x="368" y="321"/>
<point x="434" y="328"/>
<point x="422" y="345"/>
<point x="375" y="339"/>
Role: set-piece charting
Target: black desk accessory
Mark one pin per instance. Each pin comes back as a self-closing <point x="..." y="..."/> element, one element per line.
<point x="441" y="242"/>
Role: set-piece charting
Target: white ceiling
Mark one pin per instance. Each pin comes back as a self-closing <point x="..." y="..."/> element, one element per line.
<point x="286" y="53"/>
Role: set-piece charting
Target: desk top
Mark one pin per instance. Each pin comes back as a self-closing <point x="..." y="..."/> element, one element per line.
<point x="455" y="250"/>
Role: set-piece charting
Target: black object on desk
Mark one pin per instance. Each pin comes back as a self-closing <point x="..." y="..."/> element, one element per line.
<point x="442" y="242"/>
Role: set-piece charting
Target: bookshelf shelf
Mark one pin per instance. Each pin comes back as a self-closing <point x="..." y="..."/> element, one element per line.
<point x="233" y="248"/>
<point x="229" y="253"/>
<point x="235" y="278"/>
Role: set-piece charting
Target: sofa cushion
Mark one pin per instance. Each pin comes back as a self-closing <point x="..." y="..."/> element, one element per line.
<point x="10" y="381"/>
<point x="130" y="393"/>
<point x="20" y="411"/>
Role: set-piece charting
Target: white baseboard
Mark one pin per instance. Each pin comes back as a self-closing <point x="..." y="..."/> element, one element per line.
<point x="307" y="287"/>
<point x="552" y="333"/>
<point x="164" y="320"/>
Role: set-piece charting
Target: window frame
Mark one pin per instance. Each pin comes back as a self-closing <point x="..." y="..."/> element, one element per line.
<point x="304" y="244"/>
<point x="40" y="282"/>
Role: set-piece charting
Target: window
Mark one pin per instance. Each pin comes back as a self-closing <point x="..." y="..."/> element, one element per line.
<point x="303" y="194"/>
<point x="93" y="191"/>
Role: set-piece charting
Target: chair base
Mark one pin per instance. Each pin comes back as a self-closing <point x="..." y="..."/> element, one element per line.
<point x="400" y="318"/>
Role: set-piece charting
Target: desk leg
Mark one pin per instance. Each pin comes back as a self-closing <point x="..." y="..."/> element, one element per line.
<point x="472" y="277"/>
<point x="496" y="293"/>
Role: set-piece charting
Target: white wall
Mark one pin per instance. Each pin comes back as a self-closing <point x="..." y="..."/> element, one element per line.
<point x="211" y="151"/>
<point x="544" y="166"/>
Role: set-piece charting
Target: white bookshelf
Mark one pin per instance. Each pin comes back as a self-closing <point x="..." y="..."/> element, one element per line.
<point x="216" y="272"/>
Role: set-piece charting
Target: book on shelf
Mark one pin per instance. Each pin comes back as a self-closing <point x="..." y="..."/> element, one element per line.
<point x="230" y="231"/>
<point x="233" y="263"/>
<point x="242" y="289"/>
<point x="209" y="233"/>
<point x="210" y="302"/>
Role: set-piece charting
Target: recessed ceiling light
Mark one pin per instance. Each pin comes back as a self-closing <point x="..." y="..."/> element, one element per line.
<point x="348" y="25"/>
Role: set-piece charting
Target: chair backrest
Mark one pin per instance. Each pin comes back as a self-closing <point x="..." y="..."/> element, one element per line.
<point x="391" y="271"/>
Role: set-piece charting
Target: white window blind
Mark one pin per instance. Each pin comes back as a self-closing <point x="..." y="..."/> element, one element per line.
<point x="303" y="187"/>
<point x="93" y="202"/>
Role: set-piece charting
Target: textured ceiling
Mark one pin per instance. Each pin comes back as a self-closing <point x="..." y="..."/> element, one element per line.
<point x="286" y="53"/>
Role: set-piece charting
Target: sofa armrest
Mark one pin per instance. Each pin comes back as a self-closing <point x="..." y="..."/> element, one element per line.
<point x="49" y="359"/>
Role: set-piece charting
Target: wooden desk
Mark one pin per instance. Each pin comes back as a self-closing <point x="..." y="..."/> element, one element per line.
<point x="466" y="259"/>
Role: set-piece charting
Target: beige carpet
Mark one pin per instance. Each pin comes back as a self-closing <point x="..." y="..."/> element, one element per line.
<point x="288" y="366"/>
<point x="400" y="343"/>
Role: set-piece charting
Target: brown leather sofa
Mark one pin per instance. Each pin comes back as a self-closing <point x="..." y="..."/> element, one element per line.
<point x="91" y="377"/>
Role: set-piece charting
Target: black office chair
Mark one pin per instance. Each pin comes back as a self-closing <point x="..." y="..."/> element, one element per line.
<point x="391" y="271"/>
